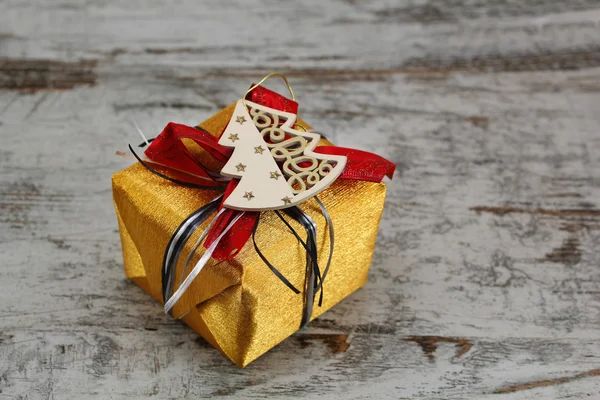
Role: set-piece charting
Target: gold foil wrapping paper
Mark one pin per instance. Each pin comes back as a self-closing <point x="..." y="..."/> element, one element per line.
<point x="240" y="306"/>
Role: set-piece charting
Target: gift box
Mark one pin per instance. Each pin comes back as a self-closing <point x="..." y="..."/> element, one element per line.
<point x="239" y="305"/>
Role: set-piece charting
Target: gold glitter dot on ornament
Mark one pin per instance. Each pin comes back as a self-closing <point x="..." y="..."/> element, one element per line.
<point x="275" y="175"/>
<point x="240" y="167"/>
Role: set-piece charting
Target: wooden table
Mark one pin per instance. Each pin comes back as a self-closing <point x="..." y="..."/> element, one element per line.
<point x="486" y="280"/>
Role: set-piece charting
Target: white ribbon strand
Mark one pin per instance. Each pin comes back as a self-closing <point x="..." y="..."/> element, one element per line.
<point x="199" y="265"/>
<point x="197" y="244"/>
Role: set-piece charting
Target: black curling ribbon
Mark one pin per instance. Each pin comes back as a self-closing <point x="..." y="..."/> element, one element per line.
<point x="177" y="243"/>
<point x="314" y="277"/>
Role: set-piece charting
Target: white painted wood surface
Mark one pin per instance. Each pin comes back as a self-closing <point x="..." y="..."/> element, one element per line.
<point x="486" y="280"/>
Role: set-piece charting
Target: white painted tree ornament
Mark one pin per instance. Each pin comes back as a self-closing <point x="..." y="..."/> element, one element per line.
<point x="260" y="146"/>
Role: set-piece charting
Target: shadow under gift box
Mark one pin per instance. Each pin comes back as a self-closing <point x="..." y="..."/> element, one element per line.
<point x="239" y="306"/>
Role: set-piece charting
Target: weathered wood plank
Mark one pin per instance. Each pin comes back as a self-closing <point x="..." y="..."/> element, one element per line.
<point x="482" y="35"/>
<point x="485" y="281"/>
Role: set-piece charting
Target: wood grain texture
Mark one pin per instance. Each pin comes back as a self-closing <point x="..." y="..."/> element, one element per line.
<point x="485" y="282"/>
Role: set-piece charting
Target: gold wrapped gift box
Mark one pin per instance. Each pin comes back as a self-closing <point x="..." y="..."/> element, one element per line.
<point x="240" y="306"/>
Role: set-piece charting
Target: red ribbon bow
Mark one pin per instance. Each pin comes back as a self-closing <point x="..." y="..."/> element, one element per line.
<point x="168" y="150"/>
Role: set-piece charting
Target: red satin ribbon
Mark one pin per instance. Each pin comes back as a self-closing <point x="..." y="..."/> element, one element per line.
<point x="361" y="165"/>
<point x="268" y="98"/>
<point x="168" y="149"/>
<point x="233" y="241"/>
